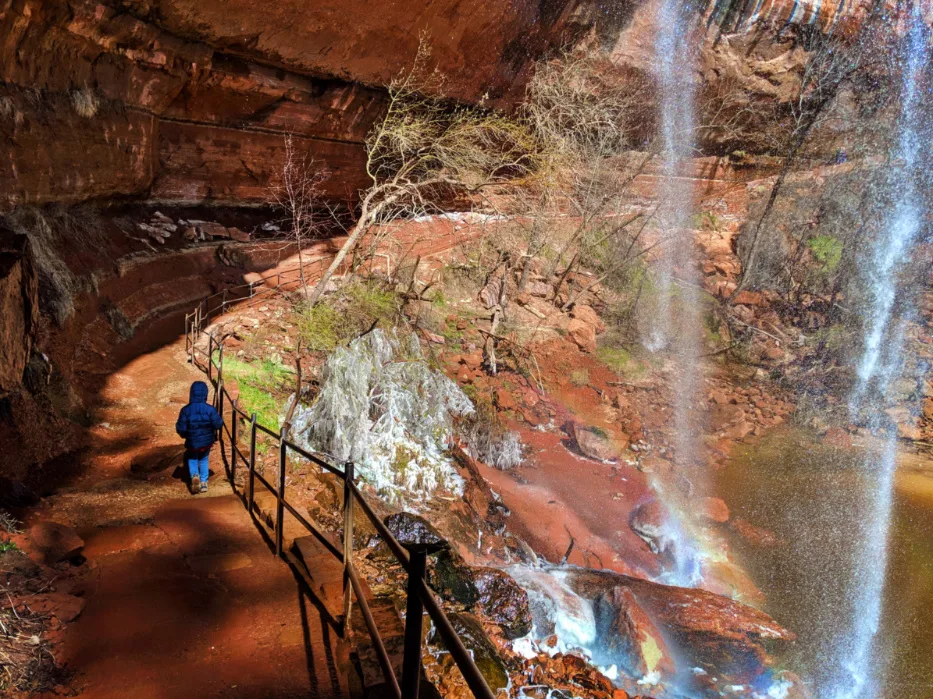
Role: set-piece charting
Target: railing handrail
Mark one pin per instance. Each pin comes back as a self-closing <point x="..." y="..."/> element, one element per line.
<point x="425" y="597"/>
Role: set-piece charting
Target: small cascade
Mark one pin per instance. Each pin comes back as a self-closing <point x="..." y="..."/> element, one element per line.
<point x="856" y="668"/>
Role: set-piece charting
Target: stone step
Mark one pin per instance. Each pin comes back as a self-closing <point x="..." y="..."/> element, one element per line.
<point x="323" y="572"/>
<point x="391" y="630"/>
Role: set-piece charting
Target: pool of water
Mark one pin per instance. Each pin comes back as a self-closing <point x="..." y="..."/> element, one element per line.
<point x="812" y="498"/>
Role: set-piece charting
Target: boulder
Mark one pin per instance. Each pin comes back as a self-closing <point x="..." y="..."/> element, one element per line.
<point x="748" y="298"/>
<point x="505" y="400"/>
<point x="409" y="528"/>
<point x="593" y="444"/>
<point x="724" y="414"/>
<point x="454" y="579"/>
<point x="755" y="535"/>
<point x="713" y="509"/>
<point x="238" y="235"/>
<point x="724" y="637"/>
<point x="740" y="430"/>
<point x="484" y="653"/>
<point x="583" y="334"/>
<point x="651" y="522"/>
<point x="62" y="606"/>
<point x="539" y="289"/>
<point x="503" y="601"/>
<point x="53" y="542"/>
<point x="588" y="316"/>
<point x="472" y="360"/>
<point x="631" y="637"/>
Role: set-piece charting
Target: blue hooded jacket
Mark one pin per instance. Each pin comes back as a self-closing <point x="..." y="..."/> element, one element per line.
<point x="198" y="422"/>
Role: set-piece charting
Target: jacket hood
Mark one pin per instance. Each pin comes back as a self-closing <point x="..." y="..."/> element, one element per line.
<point x="198" y="392"/>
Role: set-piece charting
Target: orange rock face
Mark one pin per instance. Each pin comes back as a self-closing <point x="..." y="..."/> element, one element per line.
<point x="19" y="311"/>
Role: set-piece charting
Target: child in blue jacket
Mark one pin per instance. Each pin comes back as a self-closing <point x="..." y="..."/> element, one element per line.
<point x="197" y="424"/>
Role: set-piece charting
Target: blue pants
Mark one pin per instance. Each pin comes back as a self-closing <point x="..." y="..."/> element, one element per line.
<point x="197" y="465"/>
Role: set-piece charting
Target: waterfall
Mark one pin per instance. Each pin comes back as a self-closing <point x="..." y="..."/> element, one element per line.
<point x="678" y="327"/>
<point x="854" y="669"/>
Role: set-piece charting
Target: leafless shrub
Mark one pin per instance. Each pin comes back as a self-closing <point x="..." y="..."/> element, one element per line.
<point x="835" y="65"/>
<point x="298" y="194"/>
<point x="486" y="439"/>
<point x="585" y="122"/>
<point x="9" y="523"/>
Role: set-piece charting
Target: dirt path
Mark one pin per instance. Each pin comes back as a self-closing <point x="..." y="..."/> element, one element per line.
<point x="184" y="596"/>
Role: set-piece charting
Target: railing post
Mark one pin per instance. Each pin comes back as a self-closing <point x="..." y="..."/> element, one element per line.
<point x="411" y="659"/>
<point x="210" y="358"/>
<point x="348" y="498"/>
<point x="252" y="460"/>
<point x="219" y="397"/>
<point x="280" y="502"/>
<point x="234" y="419"/>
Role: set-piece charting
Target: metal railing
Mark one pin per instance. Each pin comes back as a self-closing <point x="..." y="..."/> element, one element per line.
<point x="413" y="560"/>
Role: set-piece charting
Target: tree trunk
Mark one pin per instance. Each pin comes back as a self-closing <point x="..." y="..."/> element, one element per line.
<point x="358" y="230"/>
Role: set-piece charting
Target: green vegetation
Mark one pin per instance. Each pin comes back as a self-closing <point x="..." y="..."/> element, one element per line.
<point x="259" y="383"/>
<point x="340" y="317"/>
<point x="705" y="220"/>
<point x="6" y="546"/>
<point x="580" y="377"/>
<point x="827" y="250"/>
<point x="616" y="358"/>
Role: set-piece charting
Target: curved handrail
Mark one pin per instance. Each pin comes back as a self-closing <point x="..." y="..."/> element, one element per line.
<point x="193" y="329"/>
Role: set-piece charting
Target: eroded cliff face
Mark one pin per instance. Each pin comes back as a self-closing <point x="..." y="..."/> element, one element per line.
<point x="187" y="101"/>
<point x="165" y="105"/>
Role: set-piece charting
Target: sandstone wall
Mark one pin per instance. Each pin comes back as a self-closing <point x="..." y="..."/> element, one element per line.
<point x="187" y="100"/>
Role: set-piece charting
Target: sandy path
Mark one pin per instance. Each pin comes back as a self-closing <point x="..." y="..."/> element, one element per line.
<point x="184" y="596"/>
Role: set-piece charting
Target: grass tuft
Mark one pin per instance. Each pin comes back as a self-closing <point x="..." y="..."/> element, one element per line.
<point x="259" y="384"/>
<point x="339" y="318"/>
<point x="616" y="358"/>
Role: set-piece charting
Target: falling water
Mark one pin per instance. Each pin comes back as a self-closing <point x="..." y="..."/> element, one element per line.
<point x="855" y="668"/>
<point x="678" y="326"/>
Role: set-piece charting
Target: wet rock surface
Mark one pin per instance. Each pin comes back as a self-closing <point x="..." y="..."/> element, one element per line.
<point x="485" y="655"/>
<point x="713" y="632"/>
<point x="503" y="601"/>
<point x="410" y="529"/>
<point x="632" y="639"/>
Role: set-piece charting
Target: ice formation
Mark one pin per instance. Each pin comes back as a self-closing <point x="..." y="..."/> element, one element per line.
<point x="384" y="407"/>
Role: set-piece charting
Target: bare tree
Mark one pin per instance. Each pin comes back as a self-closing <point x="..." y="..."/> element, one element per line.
<point x="585" y="119"/>
<point x="298" y="193"/>
<point x="833" y="64"/>
<point x="425" y="152"/>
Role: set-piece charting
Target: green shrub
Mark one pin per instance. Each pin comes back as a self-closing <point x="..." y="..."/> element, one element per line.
<point x="616" y="358"/>
<point x="827" y="250"/>
<point x="340" y="317"/>
<point x="259" y="382"/>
